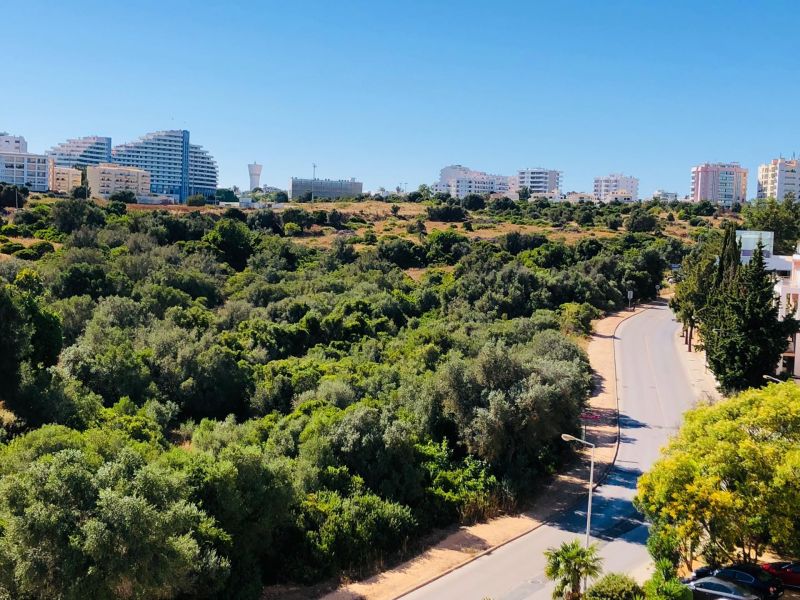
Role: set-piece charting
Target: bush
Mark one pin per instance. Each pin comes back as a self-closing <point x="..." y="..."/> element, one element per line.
<point x="292" y="229"/>
<point x="11" y="247"/>
<point x="196" y="200"/>
<point x="577" y="318"/>
<point x="614" y="586"/>
<point x="446" y="213"/>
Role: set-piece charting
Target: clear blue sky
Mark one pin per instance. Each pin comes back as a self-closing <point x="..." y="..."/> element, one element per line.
<point x="390" y="92"/>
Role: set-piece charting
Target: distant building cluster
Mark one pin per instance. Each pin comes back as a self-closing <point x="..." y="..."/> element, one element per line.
<point x="162" y="166"/>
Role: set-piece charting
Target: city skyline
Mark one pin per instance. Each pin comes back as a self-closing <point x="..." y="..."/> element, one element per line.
<point x="653" y="94"/>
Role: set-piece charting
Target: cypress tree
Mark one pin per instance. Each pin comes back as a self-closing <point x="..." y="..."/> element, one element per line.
<point x="742" y="334"/>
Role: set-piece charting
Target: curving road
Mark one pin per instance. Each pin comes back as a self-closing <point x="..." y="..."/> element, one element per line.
<point x="653" y="394"/>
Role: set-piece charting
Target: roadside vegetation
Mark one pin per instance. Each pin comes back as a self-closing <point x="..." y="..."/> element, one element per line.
<point x="196" y="403"/>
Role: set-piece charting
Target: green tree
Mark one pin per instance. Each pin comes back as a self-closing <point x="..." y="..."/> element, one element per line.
<point x="568" y="565"/>
<point x="233" y="240"/>
<point x="742" y="333"/>
<point x="125" y="196"/>
<point x="781" y="216"/>
<point x="720" y="487"/>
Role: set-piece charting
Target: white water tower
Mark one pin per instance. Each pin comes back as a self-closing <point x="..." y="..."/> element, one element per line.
<point x="255" y="175"/>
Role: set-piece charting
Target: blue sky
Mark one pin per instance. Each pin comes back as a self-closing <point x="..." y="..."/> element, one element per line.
<point x="390" y="92"/>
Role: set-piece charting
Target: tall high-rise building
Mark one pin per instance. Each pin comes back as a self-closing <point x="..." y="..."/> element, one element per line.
<point x="616" y="186"/>
<point x="460" y="181"/>
<point x="778" y="178"/>
<point x="539" y="181"/>
<point x="203" y="172"/>
<point x="177" y="168"/>
<point x="722" y="183"/>
<point x="81" y="152"/>
<point x="19" y="167"/>
<point x="254" y="170"/>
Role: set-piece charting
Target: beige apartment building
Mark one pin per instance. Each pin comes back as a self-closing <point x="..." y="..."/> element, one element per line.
<point x="64" y="179"/>
<point x="105" y="179"/>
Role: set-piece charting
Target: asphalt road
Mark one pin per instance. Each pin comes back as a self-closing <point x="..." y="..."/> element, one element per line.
<point x="653" y="394"/>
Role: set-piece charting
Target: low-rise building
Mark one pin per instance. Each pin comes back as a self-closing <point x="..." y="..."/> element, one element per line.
<point x="324" y="188"/>
<point x="460" y="181"/>
<point x="64" y="179"/>
<point x="576" y="197"/>
<point x="21" y="168"/>
<point x="107" y="178"/>
<point x="665" y="196"/>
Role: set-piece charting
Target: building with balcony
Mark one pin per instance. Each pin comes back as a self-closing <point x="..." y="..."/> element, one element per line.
<point x="81" y="152"/>
<point x="64" y="179"/>
<point x="324" y="188"/>
<point x="107" y="178"/>
<point x="778" y="178"/>
<point x="12" y="143"/>
<point x="539" y="181"/>
<point x="21" y="168"/>
<point x="203" y="172"/>
<point x="176" y="167"/>
<point x="721" y="183"/>
<point x="664" y="196"/>
<point x="616" y="186"/>
<point x="460" y="181"/>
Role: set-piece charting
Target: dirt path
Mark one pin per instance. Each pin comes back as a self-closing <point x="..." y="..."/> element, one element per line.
<point x="471" y="542"/>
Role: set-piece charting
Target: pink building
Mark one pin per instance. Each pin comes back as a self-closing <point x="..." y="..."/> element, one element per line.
<point x="722" y="183"/>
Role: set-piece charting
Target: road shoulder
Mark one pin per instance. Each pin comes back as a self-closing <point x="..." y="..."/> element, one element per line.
<point x="473" y="541"/>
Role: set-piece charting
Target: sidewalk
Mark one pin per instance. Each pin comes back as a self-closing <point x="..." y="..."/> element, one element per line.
<point x="471" y="542"/>
<point x="700" y="377"/>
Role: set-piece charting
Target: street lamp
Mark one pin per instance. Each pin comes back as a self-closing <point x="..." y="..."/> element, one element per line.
<point x="571" y="438"/>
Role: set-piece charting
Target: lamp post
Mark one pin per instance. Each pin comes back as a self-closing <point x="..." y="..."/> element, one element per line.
<point x="571" y="438"/>
<point x="313" y="177"/>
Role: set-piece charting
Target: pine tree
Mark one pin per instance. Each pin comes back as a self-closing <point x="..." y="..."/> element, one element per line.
<point x="742" y="334"/>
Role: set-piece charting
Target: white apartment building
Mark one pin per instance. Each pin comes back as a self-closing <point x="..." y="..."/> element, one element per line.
<point x="778" y="178"/>
<point x="81" y="152"/>
<point x="176" y="167"/>
<point x="722" y="183"/>
<point x="12" y="143"/>
<point x="460" y="181"/>
<point x="64" y="179"/>
<point x="665" y="196"/>
<point x="539" y="181"/>
<point x="19" y="167"/>
<point x="107" y="178"/>
<point x="616" y="186"/>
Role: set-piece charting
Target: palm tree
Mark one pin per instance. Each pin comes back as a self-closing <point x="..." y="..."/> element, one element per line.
<point x="567" y="565"/>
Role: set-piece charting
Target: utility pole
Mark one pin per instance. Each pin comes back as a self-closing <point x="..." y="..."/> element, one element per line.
<point x="313" y="177"/>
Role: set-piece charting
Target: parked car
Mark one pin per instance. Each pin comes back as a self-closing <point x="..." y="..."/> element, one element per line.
<point x="788" y="572"/>
<point x="712" y="588"/>
<point x="754" y="578"/>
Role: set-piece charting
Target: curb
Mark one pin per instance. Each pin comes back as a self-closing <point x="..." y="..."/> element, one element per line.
<point x="599" y="481"/>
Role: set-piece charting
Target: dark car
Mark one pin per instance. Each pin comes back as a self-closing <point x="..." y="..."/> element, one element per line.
<point x="787" y="572"/>
<point x="753" y="578"/>
<point x="712" y="588"/>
